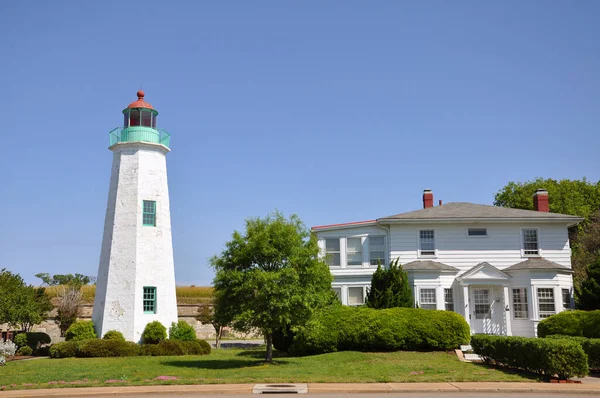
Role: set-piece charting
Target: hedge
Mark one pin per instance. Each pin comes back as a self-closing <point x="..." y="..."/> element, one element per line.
<point x="343" y="328"/>
<point x="34" y="340"/>
<point x="571" y="323"/>
<point x="590" y="346"/>
<point x="561" y="357"/>
<point x="94" y="348"/>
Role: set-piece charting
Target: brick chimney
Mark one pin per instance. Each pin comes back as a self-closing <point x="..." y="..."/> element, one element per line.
<point x="540" y="200"/>
<point x="427" y="198"/>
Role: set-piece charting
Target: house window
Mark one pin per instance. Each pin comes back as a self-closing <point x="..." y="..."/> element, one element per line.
<point x="482" y="303"/>
<point x="427" y="299"/>
<point x="477" y="232"/>
<point x="520" y="307"/>
<point x="427" y="242"/>
<point x="353" y="251"/>
<point x="546" y="302"/>
<point x="448" y="300"/>
<point x="566" y="296"/>
<point x="376" y="250"/>
<point x="338" y="292"/>
<point x="530" y="242"/>
<point x="149" y="213"/>
<point x="332" y="252"/>
<point x="356" y="295"/>
<point x="149" y="300"/>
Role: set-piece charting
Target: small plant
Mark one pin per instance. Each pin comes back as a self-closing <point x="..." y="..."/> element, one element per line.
<point x="25" y="350"/>
<point x="7" y="349"/>
<point x="113" y="335"/>
<point x="20" y="340"/>
<point x="154" y="333"/>
<point x="65" y="349"/>
<point x="79" y="331"/>
<point x="182" y="331"/>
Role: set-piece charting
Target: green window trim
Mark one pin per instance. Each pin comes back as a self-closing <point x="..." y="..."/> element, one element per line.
<point x="149" y="300"/>
<point x="149" y="213"/>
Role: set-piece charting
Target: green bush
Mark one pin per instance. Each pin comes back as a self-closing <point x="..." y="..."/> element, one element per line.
<point x="65" y="349"/>
<point x="561" y="357"/>
<point x="571" y="323"/>
<point x="81" y="330"/>
<point x="343" y="328"/>
<point x="96" y="348"/>
<point x="206" y="348"/>
<point x="154" y="333"/>
<point x="113" y="335"/>
<point x="590" y="346"/>
<point x="283" y="338"/>
<point x="20" y="340"/>
<point x="182" y="331"/>
<point x="25" y="350"/>
<point x="150" y="350"/>
<point x="192" y="347"/>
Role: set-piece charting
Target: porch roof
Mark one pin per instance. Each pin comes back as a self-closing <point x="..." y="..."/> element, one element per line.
<point x="484" y="272"/>
<point x="428" y="265"/>
<point x="538" y="263"/>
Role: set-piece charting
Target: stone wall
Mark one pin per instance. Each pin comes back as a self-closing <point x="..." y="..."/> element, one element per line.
<point x="185" y="312"/>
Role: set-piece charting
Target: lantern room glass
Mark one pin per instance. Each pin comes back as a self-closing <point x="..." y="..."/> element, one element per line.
<point x="139" y="117"/>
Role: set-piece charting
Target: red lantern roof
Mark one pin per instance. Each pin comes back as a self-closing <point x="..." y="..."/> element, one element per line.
<point x="140" y="103"/>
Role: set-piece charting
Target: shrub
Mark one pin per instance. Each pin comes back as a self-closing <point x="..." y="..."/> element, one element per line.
<point x="590" y="346"/>
<point x="342" y="328"/>
<point x="7" y="349"/>
<point x="182" y="331"/>
<point x="192" y="347"/>
<point x="95" y="348"/>
<point x="206" y="348"/>
<point x="20" y="340"/>
<point x="25" y="350"/>
<point x="283" y="339"/>
<point x="172" y="347"/>
<point x="154" y="333"/>
<point x="150" y="350"/>
<point x="562" y="357"/>
<point x="36" y="339"/>
<point x="81" y="330"/>
<point x="65" y="349"/>
<point x="113" y="335"/>
<point x="571" y="323"/>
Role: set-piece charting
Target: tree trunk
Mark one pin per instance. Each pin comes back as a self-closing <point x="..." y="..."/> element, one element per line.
<point x="219" y="334"/>
<point x="269" y="336"/>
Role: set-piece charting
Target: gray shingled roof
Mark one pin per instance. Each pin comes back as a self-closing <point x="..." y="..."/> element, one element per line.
<point x="426" y="265"/>
<point x="464" y="210"/>
<point x="537" y="263"/>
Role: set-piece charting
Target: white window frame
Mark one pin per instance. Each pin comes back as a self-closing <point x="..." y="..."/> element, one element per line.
<point x="428" y="303"/>
<point x="384" y="259"/>
<point x="451" y="302"/>
<point x="527" y="301"/>
<point x="566" y="305"/>
<point x="338" y="252"/>
<point x="419" y="255"/>
<point x="477" y="236"/>
<point x="539" y="250"/>
<point x="537" y="295"/>
<point x="336" y="289"/>
<point x="362" y="251"/>
<point x="364" y="294"/>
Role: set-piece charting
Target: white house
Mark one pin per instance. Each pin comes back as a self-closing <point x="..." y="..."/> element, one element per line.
<point x="502" y="269"/>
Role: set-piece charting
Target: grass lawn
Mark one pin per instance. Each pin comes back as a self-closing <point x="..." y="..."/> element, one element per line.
<point x="246" y="366"/>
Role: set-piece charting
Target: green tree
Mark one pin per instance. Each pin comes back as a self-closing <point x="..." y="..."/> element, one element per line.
<point x="576" y="197"/>
<point x="206" y="314"/>
<point x="390" y="288"/>
<point x="588" y="293"/>
<point x="270" y="277"/>
<point x="76" y="280"/>
<point x="21" y="305"/>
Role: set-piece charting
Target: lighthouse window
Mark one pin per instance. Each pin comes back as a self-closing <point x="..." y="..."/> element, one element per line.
<point x="149" y="213"/>
<point x="134" y="117"/>
<point x="149" y="300"/>
<point x="153" y="120"/>
<point x="146" y="118"/>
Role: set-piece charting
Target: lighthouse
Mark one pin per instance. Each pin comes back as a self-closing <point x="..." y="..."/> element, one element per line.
<point x="136" y="275"/>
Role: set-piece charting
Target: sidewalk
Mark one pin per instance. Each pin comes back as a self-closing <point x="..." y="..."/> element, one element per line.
<point x="323" y="388"/>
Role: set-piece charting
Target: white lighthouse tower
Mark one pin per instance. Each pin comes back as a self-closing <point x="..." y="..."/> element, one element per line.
<point x="136" y="275"/>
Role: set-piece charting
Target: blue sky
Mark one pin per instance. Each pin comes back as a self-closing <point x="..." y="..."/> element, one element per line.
<point x="334" y="110"/>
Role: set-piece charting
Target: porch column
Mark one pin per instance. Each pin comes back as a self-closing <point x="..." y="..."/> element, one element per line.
<point x="507" y="315"/>
<point x="466" y="305"/>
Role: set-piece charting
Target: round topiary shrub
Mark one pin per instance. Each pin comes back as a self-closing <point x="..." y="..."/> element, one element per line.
<point x="113" y="335"/>
<point x="81" y="330"/>
<point x="571" y="323"/>
<point x="20" y="340"/>
<point x="99" y="348"/>
<point x="182" y="331"/>
<point x="154" y="333"/>
<point x="25" y="350"/>
<point x="206" y="348"/>
<point x="65" y="349"/>
<point x="172" y="347"/>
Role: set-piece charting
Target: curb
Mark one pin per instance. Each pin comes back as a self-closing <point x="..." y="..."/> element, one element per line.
<point x="322" y="388"/>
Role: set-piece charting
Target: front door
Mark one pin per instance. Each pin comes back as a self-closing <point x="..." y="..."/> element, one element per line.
<point x="481" y="310"/>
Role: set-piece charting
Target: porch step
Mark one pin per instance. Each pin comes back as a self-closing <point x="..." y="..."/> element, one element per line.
<point x="464" y="348"/>
<point x="472" y="357"/>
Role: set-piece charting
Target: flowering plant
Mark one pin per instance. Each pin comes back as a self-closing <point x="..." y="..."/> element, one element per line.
<point x="7" y="349"/>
